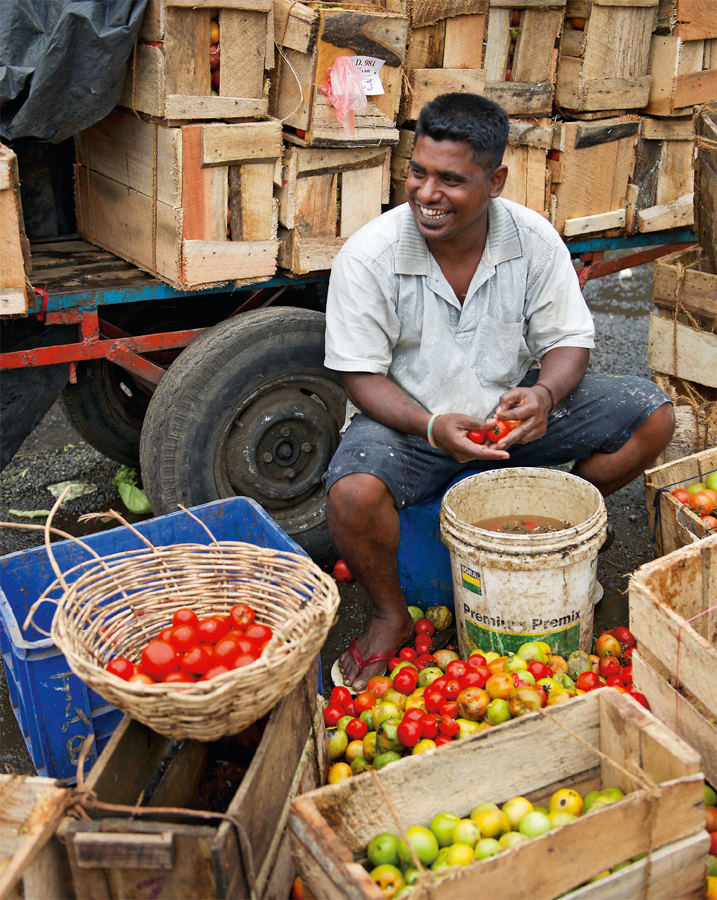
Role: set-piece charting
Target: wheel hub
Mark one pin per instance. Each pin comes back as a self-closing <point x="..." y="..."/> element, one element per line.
<point x="279" y="446"/>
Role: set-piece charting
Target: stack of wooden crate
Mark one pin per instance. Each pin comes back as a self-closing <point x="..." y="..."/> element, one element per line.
<point x="682" y="349"/>
<point x="15" y="288"/>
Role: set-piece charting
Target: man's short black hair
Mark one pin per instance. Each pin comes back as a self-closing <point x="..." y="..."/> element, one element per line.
<point x="480" y="122"/>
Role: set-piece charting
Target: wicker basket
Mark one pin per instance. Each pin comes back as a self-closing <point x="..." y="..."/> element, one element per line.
<point x="118" y="603"/>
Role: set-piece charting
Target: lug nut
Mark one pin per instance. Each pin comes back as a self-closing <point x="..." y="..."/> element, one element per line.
<point x="306" y="447"/>
<point x="285" y="432"/>
<point x="289" y="473"/>
<point x="267" y="457"/>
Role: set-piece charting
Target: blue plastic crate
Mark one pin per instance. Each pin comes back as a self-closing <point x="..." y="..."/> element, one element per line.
<point x="54" y="708"/>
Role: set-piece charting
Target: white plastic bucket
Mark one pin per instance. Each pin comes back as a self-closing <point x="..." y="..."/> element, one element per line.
<point x="513" y="588"/>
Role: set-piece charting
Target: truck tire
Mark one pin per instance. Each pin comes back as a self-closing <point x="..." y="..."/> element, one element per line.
<point x="248" y="409"/>
<point x="107" y="407"/>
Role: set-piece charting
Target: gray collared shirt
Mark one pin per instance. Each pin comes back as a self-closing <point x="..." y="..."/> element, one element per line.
<point x="391" y="310"/>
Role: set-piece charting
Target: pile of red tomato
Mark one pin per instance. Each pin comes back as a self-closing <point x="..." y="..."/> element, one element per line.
<point x="701" y="497"/>
<point x="432" y="698"/>
<point x="193" y="649"/>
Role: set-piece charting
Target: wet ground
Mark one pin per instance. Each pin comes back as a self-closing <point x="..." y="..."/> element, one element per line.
<point x="54" y="453"/>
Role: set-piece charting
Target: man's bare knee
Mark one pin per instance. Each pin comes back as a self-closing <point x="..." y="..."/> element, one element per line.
<point x="356" y="493"/>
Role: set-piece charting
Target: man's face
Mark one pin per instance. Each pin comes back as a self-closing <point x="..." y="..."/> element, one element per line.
<point x="448" y="191"/>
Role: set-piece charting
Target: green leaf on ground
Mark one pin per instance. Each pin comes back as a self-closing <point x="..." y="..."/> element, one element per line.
<point x="125" y="475"/>
<point x="77" y="489"/>
<point x="30" y="513"/>
<point x="133" y="498"/>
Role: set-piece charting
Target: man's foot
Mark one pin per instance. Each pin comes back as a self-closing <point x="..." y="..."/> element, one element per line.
<point x="381" y="635"/>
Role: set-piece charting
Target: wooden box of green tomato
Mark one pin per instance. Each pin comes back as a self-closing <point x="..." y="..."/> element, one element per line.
<point x="678" y="646"/>
<point x="650" y="842"/>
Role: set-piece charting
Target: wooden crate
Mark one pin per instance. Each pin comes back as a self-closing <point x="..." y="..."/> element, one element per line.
<point x="663" y="595"/>
<point x="326" y="195"/>
<point x="528" y="143"/>
<point x="331" y="827"/>
<point x="520" y="59"/>
<point x="180" y="857"/>
<point x="311" y="42"/>
<point x="15" y="264"/>
<point x="31" y="860"/>
<point x="589" y="180"/>
<point x="681" y="339"/>
<point x="607" y="65"/>
<point x="695" y="417"/>
<point x="691" y="20"/>
<point x="684" y="74"/>
<point x="168" y="76"/>
<point x="676" y="524"/>
<point x="664" y="175"/>
<point x="170" y="217"/>
<point x="706" y="181"/>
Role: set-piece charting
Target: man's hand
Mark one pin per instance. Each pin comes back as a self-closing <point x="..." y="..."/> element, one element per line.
<point x="531" y="406"/>
<point x="450" y="433"/>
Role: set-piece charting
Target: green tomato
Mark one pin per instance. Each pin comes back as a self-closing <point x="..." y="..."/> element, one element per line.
<point x="534" y="824"/>
<point x="589" y="799"/>
<point x="383" y="850"/>
<point x="442" y="826"/>
<point x="428" y="676"/>
<point x="511" y="839"/>
<point x="515" y="664"/>
<point x="498" y="711"/>
<point x="578" y="662"/>
<point x="383" y="759"/>
<point x="466" y="832"/>
<point x="367" y="717"/>
<point x="710" y="796"/>
<point x="488" y="847"/>
<point x="415" y="612"/>
<point x="343" y="722"/>
<point x="711" y="481"/>
<point x="712" y="866"/>
<point x="359" y="765"/>
<point x="696" y="488"/>
<point x="411" y="876"/>
<point x="424" y="843"/>
<point x="439" y="864"/>
<point x="532" y="652"/>
<point x="337" y="742"/>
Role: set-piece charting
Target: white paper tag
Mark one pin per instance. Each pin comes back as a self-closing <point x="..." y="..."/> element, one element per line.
<point x="368" y="68"/>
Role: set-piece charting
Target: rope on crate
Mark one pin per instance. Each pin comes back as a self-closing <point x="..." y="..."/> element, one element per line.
<point x="704" y="411"/>
<point x="282" y="56"/>
<point x="84" y="799"/>
<point x="656" y="503"/>
<point x="134" y="74"/>
<point x="427" y="879"/>
<point x="154" y="199"/>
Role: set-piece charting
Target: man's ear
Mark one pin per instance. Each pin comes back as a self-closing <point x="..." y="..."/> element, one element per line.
<point x="497" y="180"/>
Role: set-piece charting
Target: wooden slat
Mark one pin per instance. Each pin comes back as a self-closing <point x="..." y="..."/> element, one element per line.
<point x="204" y="191"/>
<point x="295" y="25"/>
<point x="206" y="262"/>
<point x="371" y="127"/>
<point x="144" y="87"/>
<point x="430" y="83"/>
<point x="684" y="276"/>
<point x="305" y="255"/>
<point x="599" y="222"/>
<point x="695" y="19"/>
<point x="521" y="99"/>
<point x="361" y="191"/>
<point x="315" y="213"/>
<point x="243" y="43"/>
<point x="696" y="351"/>
<point x="428" y="12"/>
<point x="675" y="177"/>
<point x="253" y="5"/>
<point x="706" y="180"/>
<point x="533" y="58"/>
<point x="345" y="31"/>
<point x="15" y="288"/>
<point x="185" y="52"/>
<point x="695" y="88"/>
<point x="533" y="134"/>
<point x="227" y="145"/>
<point x="425" y="47"/>
<point x="590" y="134"/>
<point x="180" y="106"/>
<point x="680" y="129"/>
<point x="498" y="44"/>
<point x="525" y="183"/>
<point x="257" y="202"/>
<point x="676" y="214"/>
<point x="463" y="47"/>
<point x="125" y="851"/>
<point x="317" y="161"/>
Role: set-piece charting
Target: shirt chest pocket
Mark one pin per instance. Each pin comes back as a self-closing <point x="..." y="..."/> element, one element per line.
<point x="497" y="354"/>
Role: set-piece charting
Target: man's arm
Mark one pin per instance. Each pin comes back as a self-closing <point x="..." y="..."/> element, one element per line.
<point x="562" y="370"/>
<point x="385" y="402"/>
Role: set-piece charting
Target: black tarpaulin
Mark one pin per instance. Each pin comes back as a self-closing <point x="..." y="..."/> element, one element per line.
<point x="62" y="63"/>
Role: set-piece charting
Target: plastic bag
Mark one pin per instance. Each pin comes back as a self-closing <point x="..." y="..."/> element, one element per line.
<point x="345" y="93"/>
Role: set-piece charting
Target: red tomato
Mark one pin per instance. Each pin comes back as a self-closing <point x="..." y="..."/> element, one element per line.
<point x="159" y="658"/>
<point x="183" y="677"/>
<point x="554" y="155"/>
<point x="244" y="645"/>
<point x="365" y="700"/>
<point x="429" y="727"/>
<point x="543" y="696"/>
<point x="356" y="730"/>
<point x="258" y="633"/>
<point x="121" y="667"/>
<point x="452" y="689"/>
<point x="183" y="638"/>
<point x="626" y="675"/>
<point x="478" y="437"/>
<point x="624" y="636"/>
<point x="165" y="634"/>
<point x="615" y="681"/>
<point x="578" y="23"/>
<point x="185" y="616"/>
<point x="713" y="843"/>
<point x="350" y="708"/>
<point x="433" y="700"/>
<point x="641" y="698"/>
<point x="424" y="626"/>
<point x="588" y="681"/>
<point x="413" y="714"/>
<point x="608" y="645"/>
<point x="475" y="660"/>
<point x="473" y="678"/>
<point x="141" y="678"/>
<point x="442" y="740"/>
<point x="241" y="615"/>
<point x="702" y="503"/>
<point x="342" y="573"/>
<point x="332" y="714"/>
<point x="408" y="654"/>
<point x="440" y="683"/>
<point x="539" y="670"/>
<point x="449" y="709"/>
<point x="456" y="669"/>
<point x="392" y="663"/>
<point x="681" y="495"/>
<point x="449" y="726"/>
<point x="406" y="680"/>
<point x="212" y="629"/>
<point x="244" y="659"/>
<point x="609" y="665"/>
<point x="197" y="660"/>
<point x="627" y="656"/>
<point x="340" y="695"/>
<point x="409" y="732"/>
<point x="213" y="672"/>
<point x="498" y="431"/>
<point x="424" y="643"/>
<point x="226" y="651"/>
<point x="378" y="685"/>
<point x="426" y="660"/>
<point x="709" y="523"/>
<point x="515" y="17"/>
<point x="711" y="818"/>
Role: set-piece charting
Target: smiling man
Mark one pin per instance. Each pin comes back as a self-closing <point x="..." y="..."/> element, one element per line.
<point x="445" y="314"/>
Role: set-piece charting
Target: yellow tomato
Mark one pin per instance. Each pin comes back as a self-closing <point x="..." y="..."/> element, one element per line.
<point x="339" y="772"/>
<point x="566" y="800"/>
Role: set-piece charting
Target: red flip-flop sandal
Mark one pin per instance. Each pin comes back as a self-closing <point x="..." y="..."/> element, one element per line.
<point x="382" y="656"/>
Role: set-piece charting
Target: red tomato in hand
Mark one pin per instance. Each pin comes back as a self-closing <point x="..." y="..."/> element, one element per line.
<point x="424" y="626"/>
<point x="185" y="616"/>
<point x="356" y="730"/>
<point x="478" y="437"/>
<point x="241" y="615"/>
<point x="498" y="431"/>
<point x="121" y="667"/>
<point x="183" y="638"/>
<point x="159" y="658"/>
<point x="409" y="732"/>
<point x="198" y="660"/>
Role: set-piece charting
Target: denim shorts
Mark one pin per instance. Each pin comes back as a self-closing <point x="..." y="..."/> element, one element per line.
<point x="601" y="414"/>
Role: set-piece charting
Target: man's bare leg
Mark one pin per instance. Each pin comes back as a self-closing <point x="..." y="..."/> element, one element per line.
<point x="611" y="471"/>
<point x="365" y="528"/>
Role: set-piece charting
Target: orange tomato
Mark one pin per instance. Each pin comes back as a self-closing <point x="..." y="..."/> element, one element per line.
<point x="703" y="502"/>
<point x="497" y="665"/>
<point x="378" y="685"/>
<point x="213" y="31"/>
<point x="681" y="495"/>
<point x="710" y="523"/>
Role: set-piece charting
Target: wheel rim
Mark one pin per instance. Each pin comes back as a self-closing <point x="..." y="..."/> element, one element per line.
<point x="276" y="445"/>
